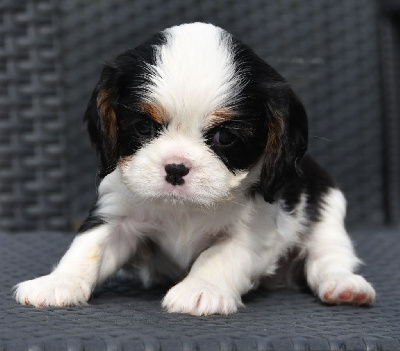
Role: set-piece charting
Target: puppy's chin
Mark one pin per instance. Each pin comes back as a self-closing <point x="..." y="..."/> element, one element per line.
<point x="185" y="202"/>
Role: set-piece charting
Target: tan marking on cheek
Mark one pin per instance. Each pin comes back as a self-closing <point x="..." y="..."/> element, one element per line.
<point x="123" y="162"/>
<point x="155" y="111"/>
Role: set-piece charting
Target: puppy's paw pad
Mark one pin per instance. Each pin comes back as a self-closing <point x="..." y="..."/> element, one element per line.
<point x="346" y="289"/>
<point x="52" y="290"/>
<point x="199" y="298"/>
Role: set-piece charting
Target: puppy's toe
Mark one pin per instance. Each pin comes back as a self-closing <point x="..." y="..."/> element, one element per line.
<point x="350" y="289"/>
<point x="52" y="290"/>
<point x="200" y="298"/>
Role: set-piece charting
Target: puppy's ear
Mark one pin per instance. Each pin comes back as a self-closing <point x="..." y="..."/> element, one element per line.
<point x="101" y="119"/>
<point x="286" y="145"/>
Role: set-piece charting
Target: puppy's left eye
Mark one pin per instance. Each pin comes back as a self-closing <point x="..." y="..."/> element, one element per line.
<point x="223" y="137"/>
<point x="145" y="128"/>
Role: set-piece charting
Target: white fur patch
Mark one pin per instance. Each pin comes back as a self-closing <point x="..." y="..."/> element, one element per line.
<point x="199" y="297"/>
<point x="331" y="260"/>
<point x="345" y="288"/>
<point x="53" y="290"/>
<point x="194" y="74"/>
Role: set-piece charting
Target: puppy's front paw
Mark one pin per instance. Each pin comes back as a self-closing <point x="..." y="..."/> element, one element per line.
<point x="346" y="289"/>
<point x="53" y="290"/>
<point x="200" y="298"/>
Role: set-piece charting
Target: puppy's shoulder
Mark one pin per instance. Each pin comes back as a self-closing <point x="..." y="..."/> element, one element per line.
<point x="314" y="175"/>
<point x="314" y="182"/>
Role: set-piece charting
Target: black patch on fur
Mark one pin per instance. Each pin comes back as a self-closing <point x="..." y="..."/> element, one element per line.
<point x="92" y="221"/>
<point x="123" y="80"/>
<point x="270" y="122"/>
<point x="314" y="182"/>
<point x="129" y="139"/>
<point x="277" y="113"/>
<point x="251" y="132"/>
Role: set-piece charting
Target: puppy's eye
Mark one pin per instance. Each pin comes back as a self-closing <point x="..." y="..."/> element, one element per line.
<point x="224" y="137"/>
<point x="145" y="128"/>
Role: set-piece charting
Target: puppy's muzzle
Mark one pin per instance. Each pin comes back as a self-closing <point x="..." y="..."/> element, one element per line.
<point x="175" y="173"/>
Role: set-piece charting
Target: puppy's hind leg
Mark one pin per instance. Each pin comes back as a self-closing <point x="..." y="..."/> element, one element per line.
<point x="331" y="260"/>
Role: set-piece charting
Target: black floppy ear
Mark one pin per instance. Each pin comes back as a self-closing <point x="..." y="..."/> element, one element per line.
<point x="101" y="119"/>
<point x="286" y="145"/>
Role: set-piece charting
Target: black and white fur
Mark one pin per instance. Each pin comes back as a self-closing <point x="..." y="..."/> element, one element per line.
<point x="205" y="183"/>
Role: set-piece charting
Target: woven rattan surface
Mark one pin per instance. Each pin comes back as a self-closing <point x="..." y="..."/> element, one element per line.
<point x="123" y="316"/>
<point x="33" y="146"/>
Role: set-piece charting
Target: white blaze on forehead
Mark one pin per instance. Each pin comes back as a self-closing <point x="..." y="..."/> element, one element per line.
<point x="194" y="73"/>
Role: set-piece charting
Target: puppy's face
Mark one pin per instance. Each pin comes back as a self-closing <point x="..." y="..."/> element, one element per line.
<point x="188" y="115"/>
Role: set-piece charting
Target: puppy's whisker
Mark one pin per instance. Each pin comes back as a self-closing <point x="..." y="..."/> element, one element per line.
<point x="322" y="138"/>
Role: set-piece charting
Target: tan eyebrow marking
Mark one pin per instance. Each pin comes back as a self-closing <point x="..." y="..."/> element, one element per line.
<point x="220" y="116"/>
<point x="155" y="111"/>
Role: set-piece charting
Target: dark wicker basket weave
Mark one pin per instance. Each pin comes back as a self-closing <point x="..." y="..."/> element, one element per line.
<point x="122" y="316"/>
<point x="390" y="44"/>
<point x="33" y="144"/>
<point x="51" y="53"/>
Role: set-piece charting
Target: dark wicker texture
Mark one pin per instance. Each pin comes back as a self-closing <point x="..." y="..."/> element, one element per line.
<point x="51" y="52"/>
<point x="33" y="169"/>
<point x="122" y="316"/>
<point x="390" y="42"/>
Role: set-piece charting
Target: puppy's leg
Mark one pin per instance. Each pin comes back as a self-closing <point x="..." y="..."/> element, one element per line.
<point x="93" y="256"/>
<point x="218" y="278"/>
<point x="331" y="260"/>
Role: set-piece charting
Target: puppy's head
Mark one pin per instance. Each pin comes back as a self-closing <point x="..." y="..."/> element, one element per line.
<point x="193" y="115"/>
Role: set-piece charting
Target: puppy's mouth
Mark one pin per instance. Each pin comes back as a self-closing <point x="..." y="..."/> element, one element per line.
<point x="173" y="199"/>
<point x="176" y="178"/>
<point x="176" y="194"/>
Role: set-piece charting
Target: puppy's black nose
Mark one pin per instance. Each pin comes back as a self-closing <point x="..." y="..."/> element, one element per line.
<point x="175" y="173"/>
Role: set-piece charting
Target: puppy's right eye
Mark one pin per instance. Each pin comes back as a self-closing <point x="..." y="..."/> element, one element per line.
<point x="145" y="128"/>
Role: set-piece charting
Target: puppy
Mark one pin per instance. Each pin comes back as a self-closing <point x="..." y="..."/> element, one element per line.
<point x="205" y="183"/>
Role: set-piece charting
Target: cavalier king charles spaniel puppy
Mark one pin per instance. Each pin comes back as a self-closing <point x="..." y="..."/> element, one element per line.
<point x="205" y="183"/>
